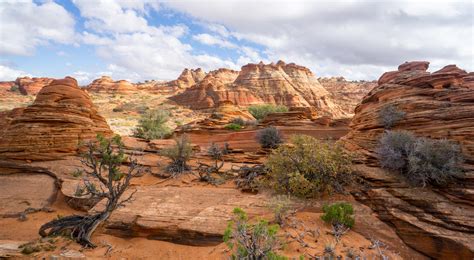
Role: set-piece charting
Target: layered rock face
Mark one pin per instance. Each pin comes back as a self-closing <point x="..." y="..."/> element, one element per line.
<point x="347" y="94"/>
<point x="188" y="78"/>
<point x="283" y="84"/>
<point x="106" y="84"/>
<point x="26" y="85"/>
<point x="61" y="116"/>
<point x="438" y="222"/>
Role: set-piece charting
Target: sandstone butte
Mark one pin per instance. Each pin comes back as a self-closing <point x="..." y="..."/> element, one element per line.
<point x="438" y="221"/>
<point x="106" y="84"/>
<point x="61" y="116"/>
<point x="347" y="94"/>
<point x="283" y="84"/>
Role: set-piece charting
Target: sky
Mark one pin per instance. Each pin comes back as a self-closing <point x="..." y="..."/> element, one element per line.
<point x="151" y="39"/>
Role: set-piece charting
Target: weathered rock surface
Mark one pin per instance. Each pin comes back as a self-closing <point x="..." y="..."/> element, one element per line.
<point x="61" y="116"/>
<point x="32" y="86"/>
<point x="437" y="222"/>
<point x="280" y="83"/>
<point x="193" y="215"/>
<point x="106" y="84"/>
<point x="5" y="87"/>
<point x="347" y="94"/>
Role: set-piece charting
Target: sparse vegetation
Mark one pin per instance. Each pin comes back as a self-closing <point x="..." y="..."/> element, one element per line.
<point x="152" y="125"/>
<point x="249" y="177"/>
<point x="308" y="167"/>
<point x="261" y="111"/>
<point x="14" y="88"/>
<point x="340" y="216"/>
<point x="389" y="115"/>
<point x="280" y="205"/>
<point x="216" y="115"/>
<point x="232" y="126"/>
<point x="251" y="241"/>
<point x="421" y="160"/>
<point x="102" y="160"/>
<point x="238" y="121"/>
<point x="269" y="137"/>
<point x="179" y="155"/>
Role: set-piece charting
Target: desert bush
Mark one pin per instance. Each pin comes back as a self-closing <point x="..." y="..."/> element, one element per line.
<point x="234" y="127"/>
<point x="216" y="115"/>
<point x="421" y="160"/>
<point x="308" y="167"/>
<point x="393" y="149"/>
<point x="269" y="137"/>
<point x="280" y="205"/>
<point x="249" y="177"/>
<point x="102" y="162"/>
<point x="15" y="88"/>
<point x="238" y="121"/>
<point x="152" y="125"/>
<point x="389" y="115"/>
<point x="260" y="111"/>
<point x="251" y="241"/>
<point x="179" y="154"/>
<point x="339" y="213"/>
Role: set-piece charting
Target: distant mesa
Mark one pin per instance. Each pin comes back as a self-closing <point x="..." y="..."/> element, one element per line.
<point x="283" y="84"/>
<point x="61" y="116"/>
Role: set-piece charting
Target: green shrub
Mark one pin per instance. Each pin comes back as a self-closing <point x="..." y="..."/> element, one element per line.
<point x="308" y="167"/>
<point x="421" y="160"/>
<point x="234" y="127"/>
<point x="389" y="115"/>
<point x="179" y="154"/>
<point x="340" y="213"/>
<point x="280" y="205"/>
<point x="15" y="88"/>
<point x="251" y="241"/>
<point x="269" y="137"/>
<point x="152" y="125"/>
<point x="260" y="111"/>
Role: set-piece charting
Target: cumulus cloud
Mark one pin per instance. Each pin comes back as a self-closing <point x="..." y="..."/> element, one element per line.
<point x="361" y="37"/>
<point x="24" y="25"/>
<point x="9" y="74"/>
<point x="208" y="39"/>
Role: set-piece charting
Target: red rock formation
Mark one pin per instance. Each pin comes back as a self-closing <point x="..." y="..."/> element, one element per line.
<point x="347" y="94"/>
<point x="437" y="222"/>
<point x="106" y="84"/>
<point x="5" y="87"/>
<point x="282" y="84"/>
<point x="61" y="116"/>
<point x="31" y="86"/>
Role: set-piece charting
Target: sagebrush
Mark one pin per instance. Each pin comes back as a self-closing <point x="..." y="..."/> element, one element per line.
<point x="251" y="241"/>
<point x="180" y="153"/>
<point x="153" y="125"/>
<point x="421" y="160"/>
<point x="389" y="115"/>
<point x="308" y="167"/>
<point x="269" y="137"/>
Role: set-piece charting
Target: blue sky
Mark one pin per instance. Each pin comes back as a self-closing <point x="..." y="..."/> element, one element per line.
<point x="151" y="39"/>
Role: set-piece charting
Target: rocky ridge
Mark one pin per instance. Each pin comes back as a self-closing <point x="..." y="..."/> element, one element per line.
<point x="283" y="84"/>
<point x="436" y="221"/>
<point x="106" y="84"/>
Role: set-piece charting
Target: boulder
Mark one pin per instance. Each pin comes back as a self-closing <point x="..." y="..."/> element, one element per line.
<point x="61" y="117"/>
<point x="437" y="221"/>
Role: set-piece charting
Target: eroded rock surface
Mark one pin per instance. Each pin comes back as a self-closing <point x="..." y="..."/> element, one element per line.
<point x="61" y="116"/>
<point x="438" y="222"/>
<point x="194" y="215"/>
<point x="283" y="84"/>
<point x="347" y="94"/>
<point x="106" y="84"/>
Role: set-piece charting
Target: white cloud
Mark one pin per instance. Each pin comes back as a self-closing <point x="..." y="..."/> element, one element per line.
<point x="208" y="39"/>
<point x="24" y="25"/>
<point x="9" y="74"/>
<point x="356" y="37"/>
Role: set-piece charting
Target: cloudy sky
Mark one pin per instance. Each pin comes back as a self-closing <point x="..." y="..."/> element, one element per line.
<point x="152" y="39"/>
